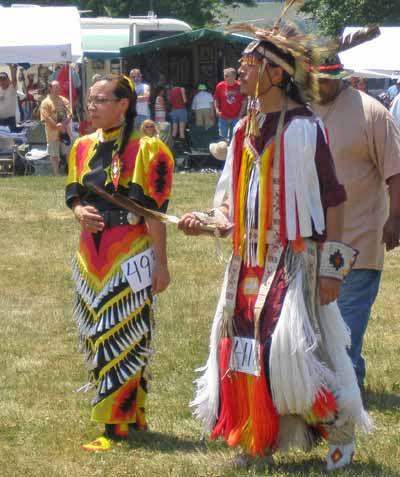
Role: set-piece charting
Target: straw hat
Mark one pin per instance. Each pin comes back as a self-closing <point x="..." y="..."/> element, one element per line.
<point x="219" y="150"/>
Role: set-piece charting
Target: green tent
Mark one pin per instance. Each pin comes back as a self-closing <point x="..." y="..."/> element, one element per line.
<point x="203" y="34"/>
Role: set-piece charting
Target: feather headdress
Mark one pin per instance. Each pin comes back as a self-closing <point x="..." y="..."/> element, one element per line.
<point x="288" y="48"/>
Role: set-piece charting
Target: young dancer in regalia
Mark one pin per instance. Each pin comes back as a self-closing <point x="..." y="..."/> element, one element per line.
<point x="121" y="262"/>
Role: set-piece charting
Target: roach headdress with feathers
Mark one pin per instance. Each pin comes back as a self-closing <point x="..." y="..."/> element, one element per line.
<point x="286" y="47"/>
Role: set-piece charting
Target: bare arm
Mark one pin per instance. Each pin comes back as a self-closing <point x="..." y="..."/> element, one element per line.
<point x="329" y="288"/>
<point x="158" y="234"/>
<point x="184" y="95"/>
<point x="391" y="229"/>
<point x="217" y="111"/>
<point x="334" y="223"/>
<point x="68" y="110"/>
<point x="13" y="70"/>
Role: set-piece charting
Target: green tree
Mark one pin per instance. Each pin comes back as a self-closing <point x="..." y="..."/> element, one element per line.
<point x="196" y="12"/>
<point x="333" y="15"/>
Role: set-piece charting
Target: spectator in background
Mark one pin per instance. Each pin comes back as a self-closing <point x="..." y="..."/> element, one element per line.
<point x="229" y="103"/>
<point x="178" y="100"/>
<point x="55" y="112"/>
<point x="395" y="109"/>
<point x="358" y="83"/>
<point x="30" y="88"/>
<point x="8" y="98"/>
<point x="143" y="96"/>
<point x="96" y="77"/>
<point x="393" y="90"/>
<point x="159" y="104"/>
<point x="202" y="105"/>
<point x="149" y="128"/>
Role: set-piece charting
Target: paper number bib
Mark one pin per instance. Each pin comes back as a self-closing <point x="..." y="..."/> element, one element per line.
<point x="243" y="355"/>
<point x="138" y="270"/>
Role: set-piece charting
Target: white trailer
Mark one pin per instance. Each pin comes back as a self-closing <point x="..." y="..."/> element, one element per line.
<point x="102" y="37"/>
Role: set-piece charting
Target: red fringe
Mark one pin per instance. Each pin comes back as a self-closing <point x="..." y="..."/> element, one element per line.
<point x="324" y="405"/>
<point x="247" y="414"/>
<point x="227" y="417"/>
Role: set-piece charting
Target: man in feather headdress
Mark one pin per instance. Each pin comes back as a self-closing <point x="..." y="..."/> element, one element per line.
<point x="278" y="374"/>
<point x="365" y="145"/>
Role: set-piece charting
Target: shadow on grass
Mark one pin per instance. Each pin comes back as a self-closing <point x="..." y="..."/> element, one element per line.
<point x="316" y="467"/>
<point x="382" y="400"/>
<point x="312" y="467"/>
<point x="166" y="443"/>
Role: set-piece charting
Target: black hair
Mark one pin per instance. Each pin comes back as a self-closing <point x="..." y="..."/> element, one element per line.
<point x="153" y="98"/>
<point x="287" y="84"/>
<point x="123" y="89"/>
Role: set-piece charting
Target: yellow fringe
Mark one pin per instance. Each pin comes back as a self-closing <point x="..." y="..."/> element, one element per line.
<point x="264" y="202"/>
<point x="245" y="170"/>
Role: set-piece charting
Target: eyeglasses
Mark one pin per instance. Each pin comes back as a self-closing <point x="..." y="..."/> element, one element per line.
<point x="148" y="127"/>
<point x="99" y="101"/>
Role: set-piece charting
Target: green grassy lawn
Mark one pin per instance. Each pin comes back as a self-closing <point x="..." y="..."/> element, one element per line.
<point x="43" y="420"/>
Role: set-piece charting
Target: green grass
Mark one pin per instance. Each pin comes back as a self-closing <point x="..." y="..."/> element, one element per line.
<point x="43" y="421"/>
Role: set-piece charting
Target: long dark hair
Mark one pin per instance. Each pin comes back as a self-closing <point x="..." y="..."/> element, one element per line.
<point x="123" y="89"/>
<point x="154" y="97"/>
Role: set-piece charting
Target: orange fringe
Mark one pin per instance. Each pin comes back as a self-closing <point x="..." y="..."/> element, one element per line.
<point x="247" y="415"/>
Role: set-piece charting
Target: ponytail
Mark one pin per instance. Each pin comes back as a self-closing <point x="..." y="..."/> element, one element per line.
<point x="129" y="122"/>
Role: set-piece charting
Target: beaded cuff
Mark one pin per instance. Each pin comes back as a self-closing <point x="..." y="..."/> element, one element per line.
<point x="337" y="260"/>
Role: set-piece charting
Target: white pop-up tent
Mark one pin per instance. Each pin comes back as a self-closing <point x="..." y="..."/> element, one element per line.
<point x="40" y="35"/>
<point x="378" y="57"/>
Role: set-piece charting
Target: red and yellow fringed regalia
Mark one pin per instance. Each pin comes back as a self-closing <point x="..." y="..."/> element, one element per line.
<point x="115" y="320"/>
<point x="278" y="373"/>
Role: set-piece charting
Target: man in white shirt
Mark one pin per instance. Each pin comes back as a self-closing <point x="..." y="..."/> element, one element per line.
<point x="8" y="98"/>
<point x="202" y="105"/>
<point x="143" y="96"/>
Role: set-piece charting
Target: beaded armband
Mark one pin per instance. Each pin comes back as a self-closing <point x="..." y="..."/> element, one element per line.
<point x="337" y="260"/>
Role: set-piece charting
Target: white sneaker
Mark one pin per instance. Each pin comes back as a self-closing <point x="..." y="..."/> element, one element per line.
<point x="339" y="456"/>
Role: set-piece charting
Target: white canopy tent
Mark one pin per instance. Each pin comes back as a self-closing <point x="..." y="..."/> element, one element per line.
<point x="40" y="35"/>
<point x="376" y="58"/>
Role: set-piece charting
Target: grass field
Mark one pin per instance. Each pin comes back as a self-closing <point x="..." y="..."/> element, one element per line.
<point x="43" y="421"/>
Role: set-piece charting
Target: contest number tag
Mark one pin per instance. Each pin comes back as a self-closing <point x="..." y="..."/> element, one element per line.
<point x="243" y="355"/>
<point x="138" y="270"/>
